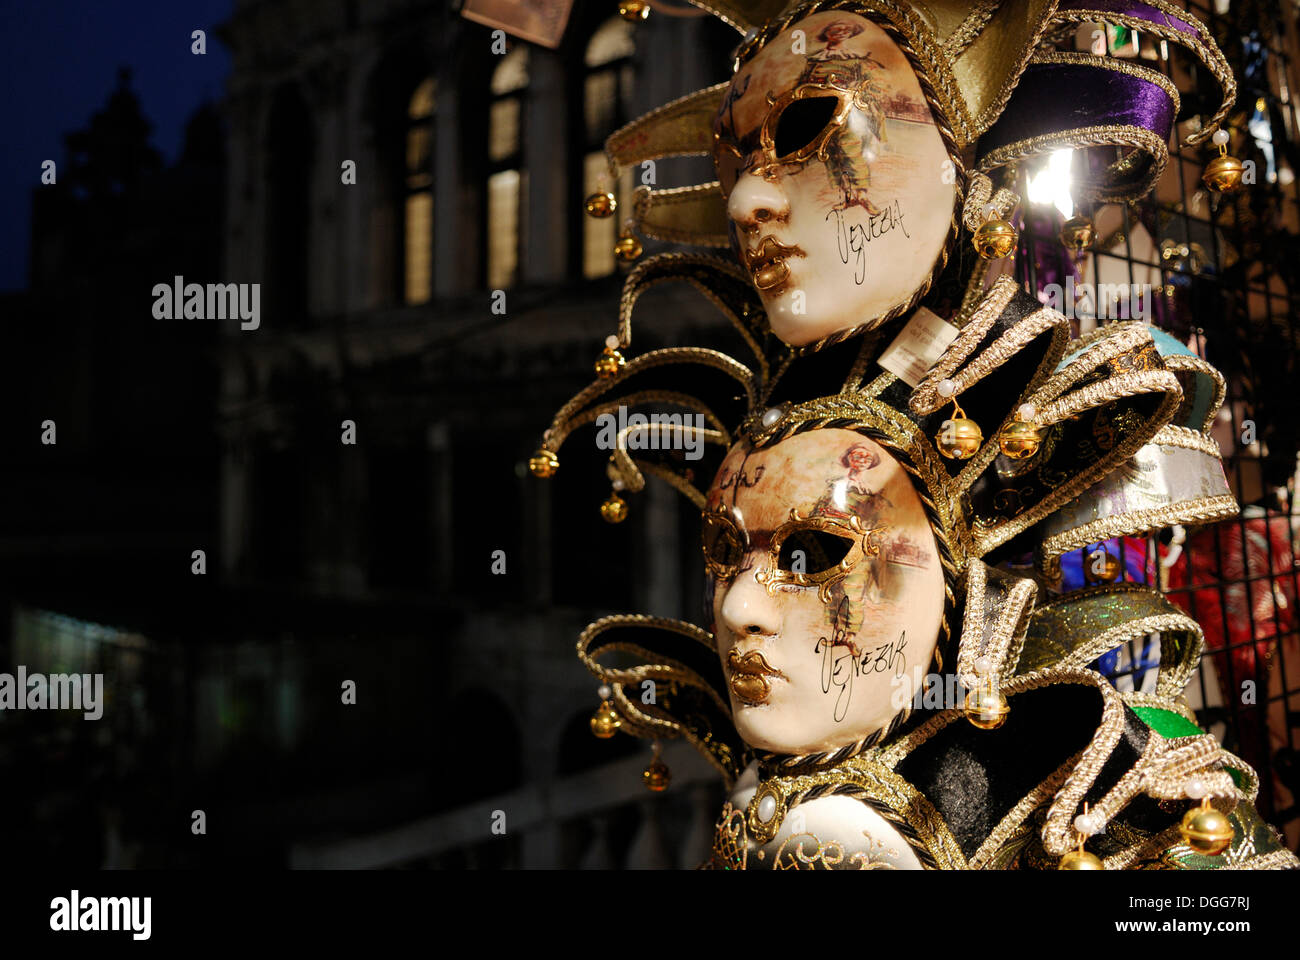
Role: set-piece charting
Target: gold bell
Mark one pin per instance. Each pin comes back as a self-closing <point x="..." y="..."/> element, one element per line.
<point x="1225" y="172"/>
<point x="605" y="721"/>
<point x="614" y="509"/>
<point x="601" y="205"/>
<point x="634" y="10"/>
<point x="1020" y="439"/>
<point x="627" y="248"/>
<point x="609" y="363"/>
<point x="1206" y="830"/>
<point x="543" y="463"/>
<point x="986" y="708"/>
<point x="1080" y="859"/>
<point x="994" y="239"/>
<point x="656" y="776"/>
<point x="959" y="438"/>
<point x="1104" y="569"/>
<point x="1077" y="233"/>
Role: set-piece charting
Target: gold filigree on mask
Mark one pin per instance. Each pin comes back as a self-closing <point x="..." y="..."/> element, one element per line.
<point x="821" y="571"/>
<point x="731" y="158"/>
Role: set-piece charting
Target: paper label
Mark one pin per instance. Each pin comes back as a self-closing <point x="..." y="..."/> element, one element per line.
<point x="539" y="21"/>
<point x="918" y="347"/>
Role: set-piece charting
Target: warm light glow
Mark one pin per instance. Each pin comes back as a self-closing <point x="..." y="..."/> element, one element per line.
<point x="1052" y="183"/>
<point x="504" y="195"/>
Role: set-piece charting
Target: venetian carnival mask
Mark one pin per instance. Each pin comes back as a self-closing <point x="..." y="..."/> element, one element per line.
<point x="827" y="591"/>
<point x="838" y="183"/>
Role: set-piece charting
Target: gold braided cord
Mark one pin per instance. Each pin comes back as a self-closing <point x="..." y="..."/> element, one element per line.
<point x="980" y="195"/>
<point x="926" y="398"/>
<point x="1173" y="435"/>
<point x="1101" y="135"/>
<point x="1178" y="705"/>
<point x="1177" y="660"/>
<point x="676" y="481"/>
<point x="1017" y="815"/>
<point x="1202" y="45"/>
<point x="1132" y="522"/>
<point x="559" y="428"/>
<point x="635" y="285"/>
<point x="1002" y="644"/>
<point x="980" y="14"/>
<point x="657" y="725"/>
<point x="629" y="470"/>
<point x="1081" y="59"/>
<point x="1180" y="363"/>
<point x="559" y="431"/>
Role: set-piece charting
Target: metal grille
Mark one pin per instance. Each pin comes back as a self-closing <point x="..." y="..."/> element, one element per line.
<point x="1224" y="275"/>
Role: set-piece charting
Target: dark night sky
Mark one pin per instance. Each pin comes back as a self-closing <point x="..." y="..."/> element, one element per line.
<point x="58" y="64"/>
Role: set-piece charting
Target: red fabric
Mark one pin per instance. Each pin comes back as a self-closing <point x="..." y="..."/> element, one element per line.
<point x="1220" y="573"/>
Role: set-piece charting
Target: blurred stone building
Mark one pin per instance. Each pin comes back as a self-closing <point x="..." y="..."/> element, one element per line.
<point x="470" y="171"/>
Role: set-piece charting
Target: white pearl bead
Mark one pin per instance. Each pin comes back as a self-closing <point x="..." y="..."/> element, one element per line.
<point x="1220" y="138"/>
<point x="1196" y="788"/>
<point x="1085" y="824"/>
<point x="766" y="808"/>
<point x="604" y="692"/>
<point x="983" y="666"/>
<point x="989" y="211"/>
<point x="617" y="484"/>
<point x="770" y="418"/>
<point x="1026" y="411"/>
<point x="612" y="342"/>
<point x="947" y="388"/>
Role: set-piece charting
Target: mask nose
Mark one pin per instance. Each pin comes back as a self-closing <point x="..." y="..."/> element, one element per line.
<point x="748" y="610"/>
<point x="756" y="201"/>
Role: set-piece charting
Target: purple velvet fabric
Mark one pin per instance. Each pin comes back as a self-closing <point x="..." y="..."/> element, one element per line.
<point x="1055" y="96"/>
<point x="1132" y="8"/>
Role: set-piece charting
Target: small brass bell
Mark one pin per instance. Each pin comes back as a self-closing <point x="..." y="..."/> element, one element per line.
<point x="1080" y="859"/>
<point x="601" y="205"/>
<point x="959" y="438"/>
<point x="1101" y="567"/>
<point x="543" y="463"/>
<point x="1225" y="172"/>
<point x="986" y="708"/>
<point x="634" y="10"/>
<point x="994" y="239"/>
<point x="614" y="509"/>
<point x="656" y="776"/>
<point x="605" y="721"/>
<point x="1020" y="439"/>
<point x="627" y="248"/>
<point x="1206" y="830"/>
<point x="609" y="363"/>
<point x="1077" y="234"/>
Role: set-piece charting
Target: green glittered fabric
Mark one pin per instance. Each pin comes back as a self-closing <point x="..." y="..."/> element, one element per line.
<point x="1077" y="629"/>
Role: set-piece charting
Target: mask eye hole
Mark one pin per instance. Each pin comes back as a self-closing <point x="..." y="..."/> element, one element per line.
<point x="812" y="552"/>
<point x="801" y="122"/>
<point x="723" y="550"/>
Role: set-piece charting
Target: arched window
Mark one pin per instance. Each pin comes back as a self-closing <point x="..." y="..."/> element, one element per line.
<point x="417" y="232"/>
<point x="606" y="88"/>
<point x="507" y="181"/>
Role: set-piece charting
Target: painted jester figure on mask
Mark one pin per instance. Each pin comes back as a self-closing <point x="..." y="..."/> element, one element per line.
<point x="902" y="446"/>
